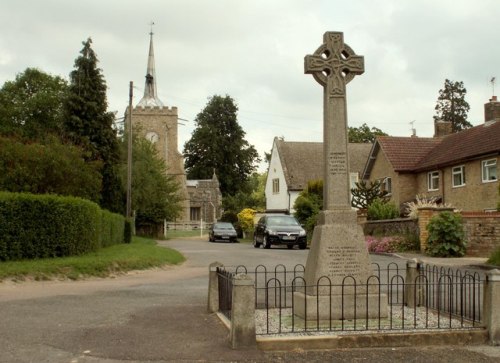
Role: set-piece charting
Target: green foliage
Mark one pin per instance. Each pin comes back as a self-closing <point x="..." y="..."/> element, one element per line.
<point x="88" y="124"/>
<point x="155" y="194"/>
<point x="364" y="194"/>
<point x="47" y="168"/>
<point x="446" y="236"/>
<point x="31" y="105"/>
<point x="380" y="209"/>
<point x="495" y="258"/>
<point x="451" y="105"/>
<point x="39" y="226"/>
<point x="251" y="197"/>
<point x="364" y="134"/>
<point x="308" y="204"/>
<point x="218" y="144"/>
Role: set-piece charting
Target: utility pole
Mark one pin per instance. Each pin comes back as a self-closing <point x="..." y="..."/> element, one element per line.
<point x="129" y="153"/>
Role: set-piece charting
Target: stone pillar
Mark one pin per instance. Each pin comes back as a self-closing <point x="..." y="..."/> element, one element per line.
<point x="491" y="309"/>
<point x="242" y="332"/>
<point x="412" y="290"/>
<point x="213" y="287"/>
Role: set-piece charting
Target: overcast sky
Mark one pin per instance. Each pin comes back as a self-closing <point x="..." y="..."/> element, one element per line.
<point x="253" y="50"/>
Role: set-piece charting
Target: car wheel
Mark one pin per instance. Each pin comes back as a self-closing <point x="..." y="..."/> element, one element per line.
<point x="303" y="246"/>
<point x="290" y="247"/>
<point x="266" y="243"/>
<point x="255" y="243"/>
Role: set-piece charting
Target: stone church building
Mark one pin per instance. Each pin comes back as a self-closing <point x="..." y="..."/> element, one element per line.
<point x="201" y="199"/>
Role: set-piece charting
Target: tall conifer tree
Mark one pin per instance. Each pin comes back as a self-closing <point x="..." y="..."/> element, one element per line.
<point x="89" y="125"/>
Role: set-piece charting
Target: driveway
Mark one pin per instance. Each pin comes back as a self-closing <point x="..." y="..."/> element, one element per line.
<point x="160" y="316"/>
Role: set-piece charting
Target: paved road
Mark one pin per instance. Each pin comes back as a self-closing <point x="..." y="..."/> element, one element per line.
<point x="160" y="316"/>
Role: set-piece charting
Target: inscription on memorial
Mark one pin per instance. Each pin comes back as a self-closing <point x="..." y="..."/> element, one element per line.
<point x="337" y="162"/>
<point x="343" y="260"/>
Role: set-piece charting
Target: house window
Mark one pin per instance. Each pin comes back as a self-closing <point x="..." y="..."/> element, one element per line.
<point x="458" y="176"/>
<point x="489" y="170"/>
<point x="276" y="186"/>
<point x="386" y="185"/>
<point x="433" y="180"/>
<point x="354" y="178"/>
<point x="195" y="213"/>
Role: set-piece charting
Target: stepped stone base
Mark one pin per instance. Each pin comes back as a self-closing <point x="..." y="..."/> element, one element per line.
<point x="306" y="306"/>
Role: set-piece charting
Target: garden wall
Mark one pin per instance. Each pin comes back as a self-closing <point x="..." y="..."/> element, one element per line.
<point x="391" y="227"/>
<point x="482" y="232"/>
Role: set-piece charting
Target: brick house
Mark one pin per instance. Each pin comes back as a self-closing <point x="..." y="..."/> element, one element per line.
<point x="460" y="168"/>
<point x="293" y="164"/>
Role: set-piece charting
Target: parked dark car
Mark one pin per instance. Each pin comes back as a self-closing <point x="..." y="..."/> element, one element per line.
<point x="279" y="230"/>
<point x="222" y="231"/>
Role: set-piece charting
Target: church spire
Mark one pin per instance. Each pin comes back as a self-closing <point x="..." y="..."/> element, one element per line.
<point x="150" y="97"/>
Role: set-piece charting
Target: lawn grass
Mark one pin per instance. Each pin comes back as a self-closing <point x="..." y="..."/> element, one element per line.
<point x="141" y="254"/>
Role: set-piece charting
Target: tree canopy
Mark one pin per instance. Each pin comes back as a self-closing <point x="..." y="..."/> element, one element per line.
<point x="88" y="124"/>
<point x="364" y="134"/>
<point x="451" y="105"/>
<point x="31" y="105"/>
<point x="154" y="193"/>
<point x="218" y="144"/>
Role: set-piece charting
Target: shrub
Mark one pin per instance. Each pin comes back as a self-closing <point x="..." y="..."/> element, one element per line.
<point x="39" y="226"/>
<point x="245" y="218"/>
<point x="446" y="236"/>
<point x="379" y="209"/>
<point x="422" y="201"/>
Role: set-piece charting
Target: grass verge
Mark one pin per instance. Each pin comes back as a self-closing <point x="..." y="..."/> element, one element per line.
<point x="141" y="254"/>
<point x="495" y="258"/>
<point x="179" y="233"/>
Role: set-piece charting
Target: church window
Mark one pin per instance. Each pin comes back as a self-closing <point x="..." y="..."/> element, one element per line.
<point x="489" y="170"/>
<point x="276" y="186"/>
<point x="195" y="213"/>
<point x="433" y="181"/>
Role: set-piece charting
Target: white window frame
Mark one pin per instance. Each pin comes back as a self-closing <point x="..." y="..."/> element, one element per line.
<point x="387" y="185"/>
<point x="276" y="186"/>
<point x="489" y="170"/>
<point x="432" y="181"/>
<point x="459" y="171"/>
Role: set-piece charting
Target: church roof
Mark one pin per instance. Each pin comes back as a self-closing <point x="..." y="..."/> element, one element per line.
<point x="303" y="161"/>
<point x="150" y="98"/>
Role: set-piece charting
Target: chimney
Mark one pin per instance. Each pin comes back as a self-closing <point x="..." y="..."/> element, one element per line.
<point x="492" y="110"/>
<point x="442" y="128"/>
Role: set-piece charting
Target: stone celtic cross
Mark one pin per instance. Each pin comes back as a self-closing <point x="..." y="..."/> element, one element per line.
<point x="333" y="65"/>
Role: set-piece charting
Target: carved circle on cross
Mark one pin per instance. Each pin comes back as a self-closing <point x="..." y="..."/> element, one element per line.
<point x="330" y="62"/>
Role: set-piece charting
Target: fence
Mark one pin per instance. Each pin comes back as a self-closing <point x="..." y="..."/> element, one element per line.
<point x="427" y="298"/>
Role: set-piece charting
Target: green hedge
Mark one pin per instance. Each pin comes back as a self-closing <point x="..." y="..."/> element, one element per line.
<point x="39" y="226"/>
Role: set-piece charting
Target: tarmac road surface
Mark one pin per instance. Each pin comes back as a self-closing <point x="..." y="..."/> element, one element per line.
<point x="160" y="316"/>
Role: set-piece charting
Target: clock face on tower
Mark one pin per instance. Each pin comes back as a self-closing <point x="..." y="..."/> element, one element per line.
<point x="152" y="136"/>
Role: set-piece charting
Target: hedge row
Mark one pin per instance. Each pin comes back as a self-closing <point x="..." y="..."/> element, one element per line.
<point x="39" y="226"/>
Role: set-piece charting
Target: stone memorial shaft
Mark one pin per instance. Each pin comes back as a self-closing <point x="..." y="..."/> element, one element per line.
<point x="338" y="252"/>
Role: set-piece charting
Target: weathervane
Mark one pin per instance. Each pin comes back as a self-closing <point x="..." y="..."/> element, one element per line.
<point x="151" y="24"/>
<point x="492" y="81"/>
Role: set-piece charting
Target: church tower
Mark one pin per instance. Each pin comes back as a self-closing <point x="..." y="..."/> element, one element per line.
<point x="159" y="124"/>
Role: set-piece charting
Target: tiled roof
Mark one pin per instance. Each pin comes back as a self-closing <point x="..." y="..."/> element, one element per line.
<point x="455" y="148"/>
<point x="303" y="161"/>
<point x="405" y="153"/>
<point x="412" y="154"/>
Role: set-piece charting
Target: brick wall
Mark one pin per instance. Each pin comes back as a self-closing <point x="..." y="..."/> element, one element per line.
<point x="482" y="231"/>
